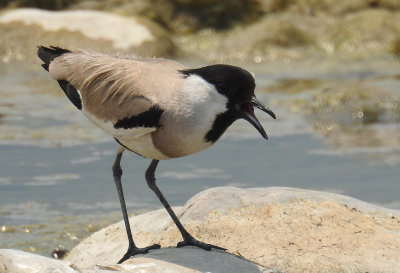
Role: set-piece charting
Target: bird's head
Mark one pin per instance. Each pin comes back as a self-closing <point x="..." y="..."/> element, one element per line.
<point x="237" y="85"/>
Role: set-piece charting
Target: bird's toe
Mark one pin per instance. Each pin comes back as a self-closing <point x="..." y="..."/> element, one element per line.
<point x="190" y="241"/>
<point x="132" y="251"/>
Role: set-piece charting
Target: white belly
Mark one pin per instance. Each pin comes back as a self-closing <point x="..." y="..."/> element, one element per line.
<point x="143" y="146"/>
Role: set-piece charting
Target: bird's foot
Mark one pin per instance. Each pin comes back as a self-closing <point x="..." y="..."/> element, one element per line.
<point x="190" y="241"/>
<point x="132" y="251"/>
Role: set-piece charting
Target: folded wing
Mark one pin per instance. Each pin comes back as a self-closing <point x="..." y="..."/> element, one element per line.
<point x="107" y="89"/>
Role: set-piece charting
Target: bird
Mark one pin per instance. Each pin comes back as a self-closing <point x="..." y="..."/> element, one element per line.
<point x="154" y="107"/>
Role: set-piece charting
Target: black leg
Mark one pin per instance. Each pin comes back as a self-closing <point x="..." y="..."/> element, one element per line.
<point x="187" y="238"/>
<point x="132" y="249"/>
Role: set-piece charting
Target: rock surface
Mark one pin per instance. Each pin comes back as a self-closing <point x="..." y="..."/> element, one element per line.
<point x="292" y="230"/>
<point x="15" y="261"/>
<point x="93" y="30"/>
<point x="107" y="25"/>
<point x="168" y="260"/>
<point x="286" y="229"/>
<point x="215" y="31"/>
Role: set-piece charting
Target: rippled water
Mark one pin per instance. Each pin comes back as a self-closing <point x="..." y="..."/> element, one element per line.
<point x="55" y="167"/>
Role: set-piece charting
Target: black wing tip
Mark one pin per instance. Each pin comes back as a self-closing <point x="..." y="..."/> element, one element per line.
<point x="48" y="54"/>
<point x="54" y="49"/>
<point x="46" y="67"/>
<point x="72" y="93"/>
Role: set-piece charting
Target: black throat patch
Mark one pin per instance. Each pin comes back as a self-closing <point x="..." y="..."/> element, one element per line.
<point x="147" y="119"/>
<point x="220" y="124"/>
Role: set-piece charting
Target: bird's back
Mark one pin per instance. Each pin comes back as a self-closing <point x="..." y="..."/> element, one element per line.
<point x="109" y="86"/>
<point x="147" y="105"/>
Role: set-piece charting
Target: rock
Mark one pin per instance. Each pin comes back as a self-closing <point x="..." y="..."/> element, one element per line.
<point x="271" y="38"/>
<point x="15" y="261"/>
<point x="171" y="260"/>
<point x="292" y="230"/>
<point x="298" y="30"/>
<point x="183" y="16"/>
<point x="193" y="259"/>
<point x="338" y="7"/>
<point x="289" y="230"/>
<point x="109" y="244"/>
<point x="82" y="29"/>
<point x="159" y="11"/>
<point x="370" y="31"/>
<point x="93" y="24"/>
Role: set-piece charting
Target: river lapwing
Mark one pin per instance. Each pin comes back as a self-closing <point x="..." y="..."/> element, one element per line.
<point x="157" y="108"/>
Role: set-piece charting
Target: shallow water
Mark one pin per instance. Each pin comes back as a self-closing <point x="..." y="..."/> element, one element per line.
<point x="52" y="196"/>
<point x="56" y="182"/>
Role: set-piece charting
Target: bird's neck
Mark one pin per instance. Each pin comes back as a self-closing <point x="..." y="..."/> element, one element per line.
<point x="220" y="124"/>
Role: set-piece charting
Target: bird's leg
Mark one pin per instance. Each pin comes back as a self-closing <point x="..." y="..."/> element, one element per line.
<point x="132" y="249"/>
<point x="187" y="238"/>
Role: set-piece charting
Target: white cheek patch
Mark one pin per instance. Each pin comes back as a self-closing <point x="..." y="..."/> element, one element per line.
<point x="200" y="104"/>
<point x="198" y="94"/>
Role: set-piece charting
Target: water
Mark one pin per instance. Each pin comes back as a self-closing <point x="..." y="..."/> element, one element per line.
<point x="56" y="182"/>
<point x="75" y="180"/>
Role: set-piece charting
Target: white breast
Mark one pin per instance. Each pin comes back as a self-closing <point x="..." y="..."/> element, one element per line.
<point x="190" y="116"/>
<point x="143" y="146"/>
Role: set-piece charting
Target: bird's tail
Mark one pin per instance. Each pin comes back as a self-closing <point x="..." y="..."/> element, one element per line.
<point x="48" y="54"/>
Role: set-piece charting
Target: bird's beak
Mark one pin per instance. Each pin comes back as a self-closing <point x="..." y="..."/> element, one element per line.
<point x="247" y="112"/>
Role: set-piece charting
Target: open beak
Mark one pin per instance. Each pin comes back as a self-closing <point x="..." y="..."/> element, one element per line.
<point x="247" y="112"/>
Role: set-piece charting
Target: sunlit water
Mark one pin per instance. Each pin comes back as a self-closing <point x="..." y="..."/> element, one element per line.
<point x="56" y="182"/>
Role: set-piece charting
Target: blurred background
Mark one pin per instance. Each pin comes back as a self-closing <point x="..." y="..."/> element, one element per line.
<point x="330" y="70"/>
